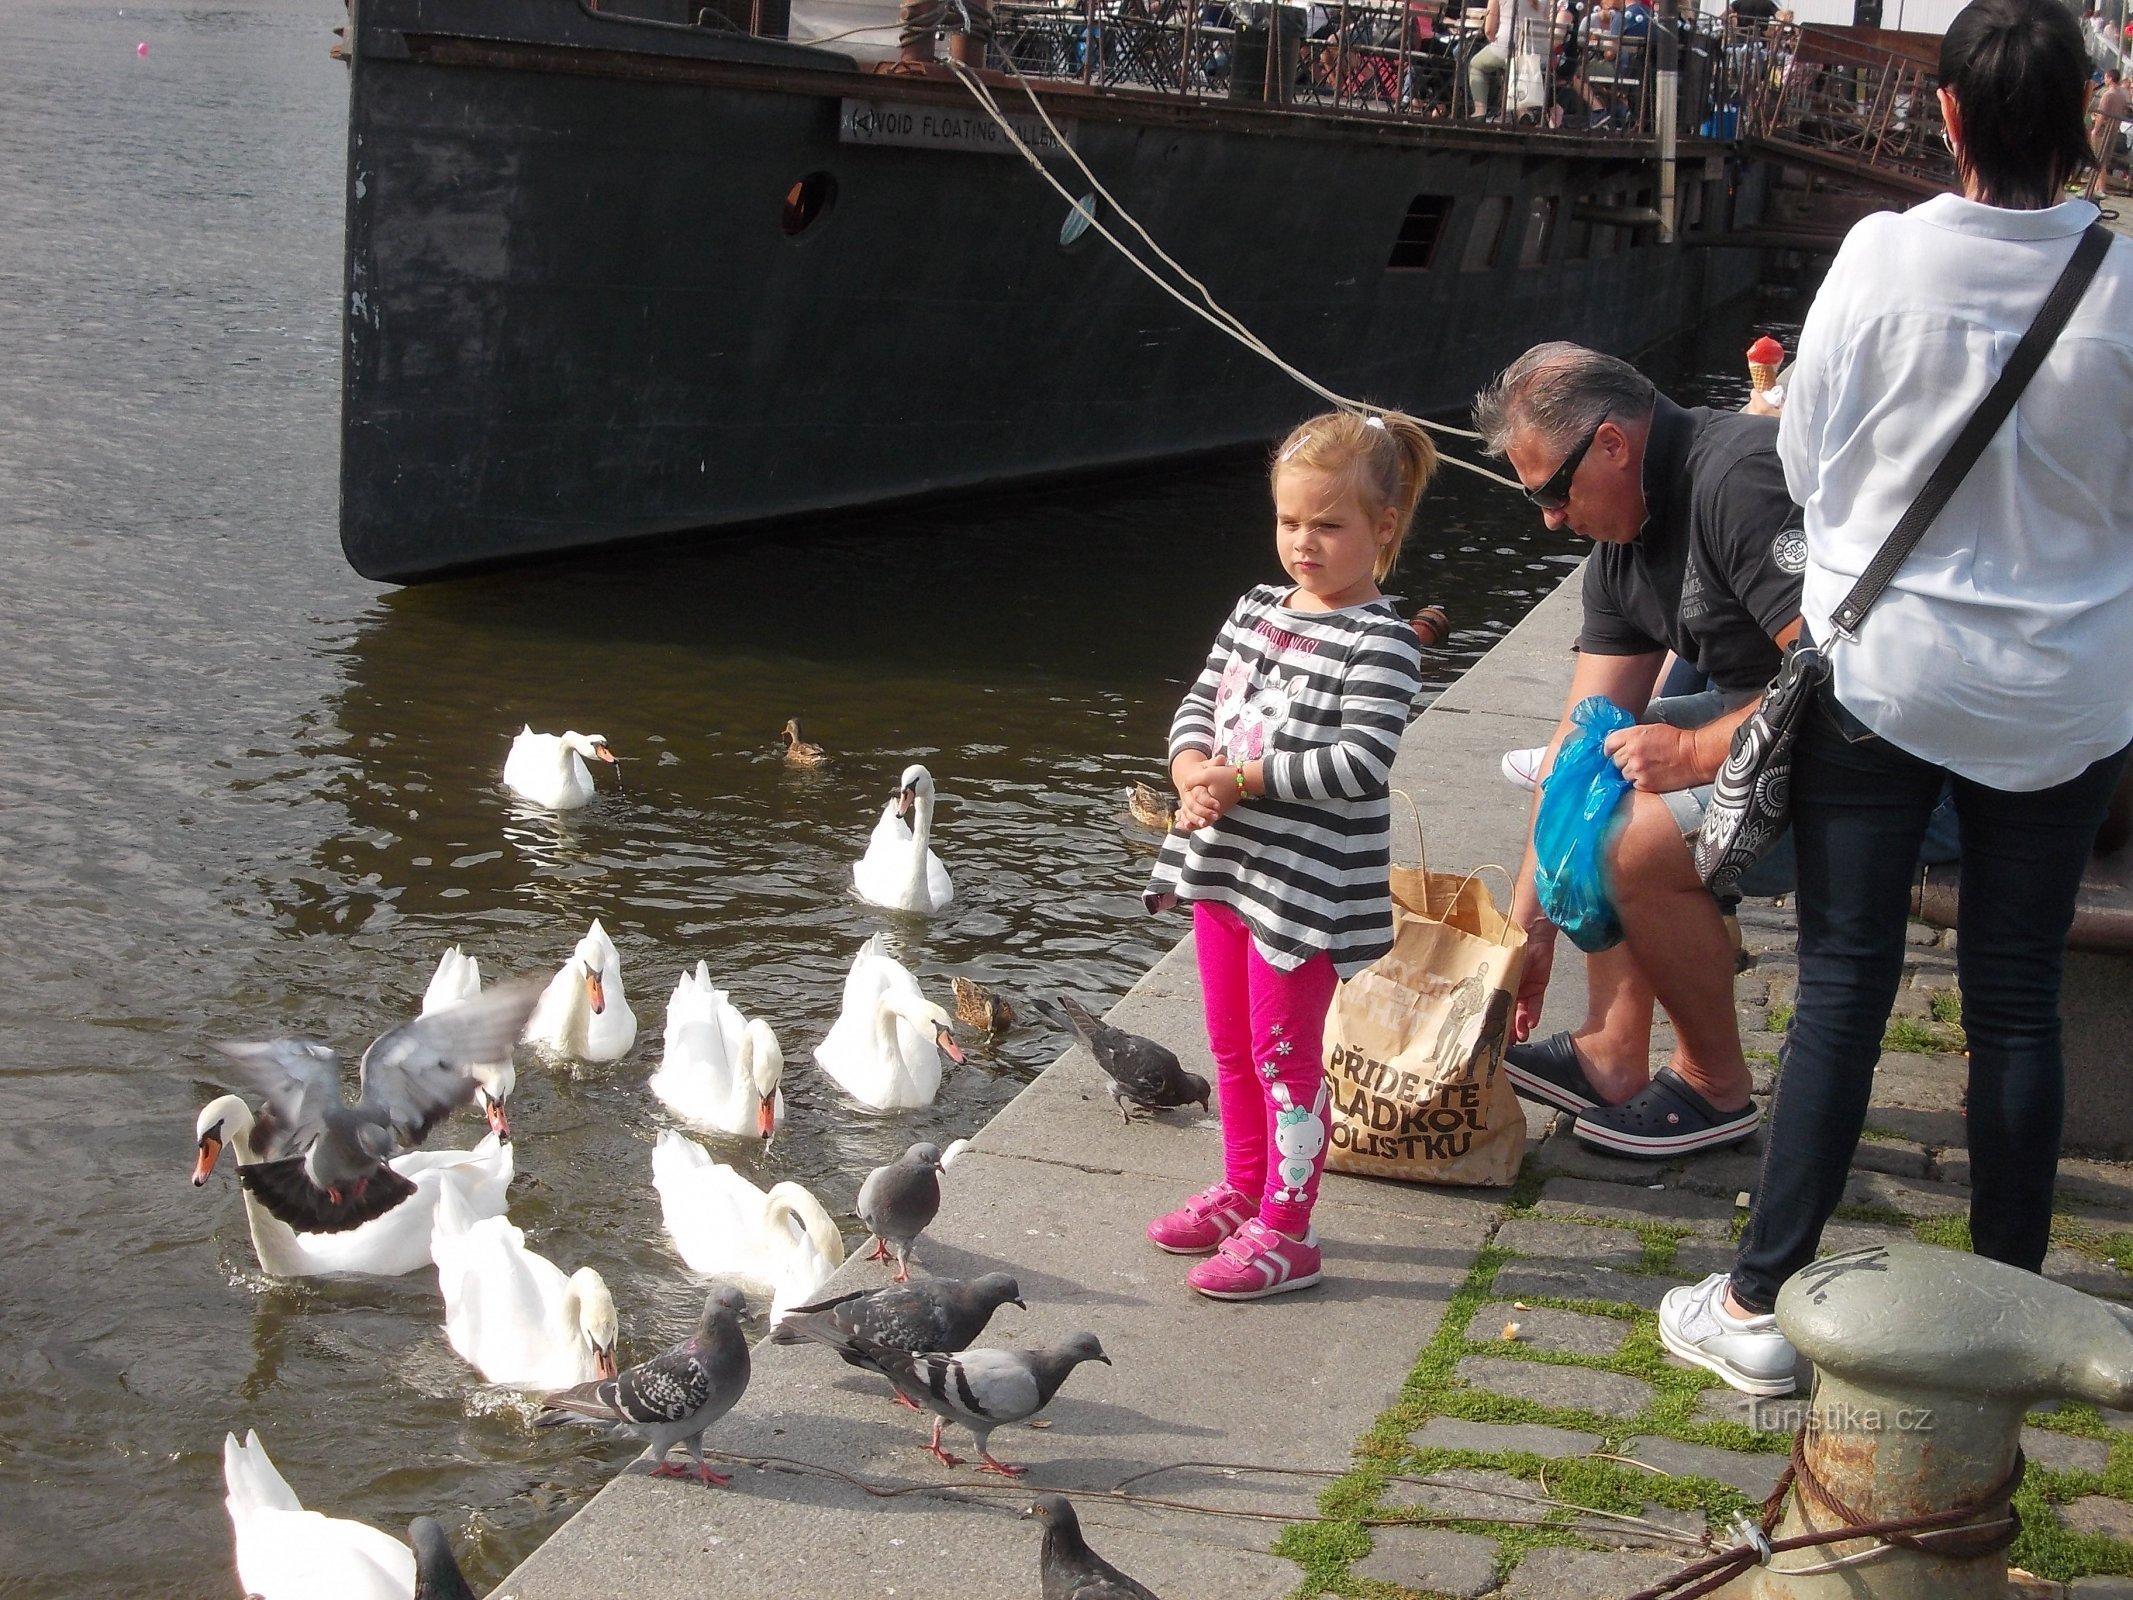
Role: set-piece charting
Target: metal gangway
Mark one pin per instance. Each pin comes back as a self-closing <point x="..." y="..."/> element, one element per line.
<point x="1855" y="102"/>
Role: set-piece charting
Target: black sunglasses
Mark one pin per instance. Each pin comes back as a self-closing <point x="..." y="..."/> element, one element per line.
<point x="1555" y="493"/>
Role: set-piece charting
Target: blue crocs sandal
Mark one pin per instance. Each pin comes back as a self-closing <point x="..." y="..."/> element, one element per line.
<point x="1547" y="1070"/>
<point x="1665" y="1118"/>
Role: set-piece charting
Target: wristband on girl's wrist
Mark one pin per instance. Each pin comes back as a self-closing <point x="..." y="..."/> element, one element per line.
<point x="1242" y="792"/>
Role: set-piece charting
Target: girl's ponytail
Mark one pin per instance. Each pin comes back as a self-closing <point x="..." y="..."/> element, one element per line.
<point x="1389" y="457"/>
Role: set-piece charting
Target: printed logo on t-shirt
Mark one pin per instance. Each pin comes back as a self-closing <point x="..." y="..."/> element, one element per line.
<point x="1789" y="550"/>
<point x="1245" y="718"/>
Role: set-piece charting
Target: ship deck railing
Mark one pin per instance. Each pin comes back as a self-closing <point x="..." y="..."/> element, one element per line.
<point x="1375" y="58"/>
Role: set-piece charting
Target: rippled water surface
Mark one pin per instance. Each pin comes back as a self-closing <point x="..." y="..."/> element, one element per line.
<point x="247" y="793"/>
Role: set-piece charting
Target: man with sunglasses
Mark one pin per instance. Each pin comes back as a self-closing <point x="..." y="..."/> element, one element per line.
<point x="1696" y="550"/>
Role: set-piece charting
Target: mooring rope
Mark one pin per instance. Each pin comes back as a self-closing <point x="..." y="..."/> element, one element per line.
<point x="1968" y="1539"/>
<point x="1118" y="1494"/>
<point x="1212" y="312"/>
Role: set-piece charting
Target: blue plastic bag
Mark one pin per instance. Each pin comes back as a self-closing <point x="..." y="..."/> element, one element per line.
<point x="1580" y="808"/>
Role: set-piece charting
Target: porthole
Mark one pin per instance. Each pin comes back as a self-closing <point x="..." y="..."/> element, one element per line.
<point x="1074" y="232"/>
<point x="807" y="202"/>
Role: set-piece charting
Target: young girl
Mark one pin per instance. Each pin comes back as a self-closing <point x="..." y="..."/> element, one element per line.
<point x="1281" y="754"/>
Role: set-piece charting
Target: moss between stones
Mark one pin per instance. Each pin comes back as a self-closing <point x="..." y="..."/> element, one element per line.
<point x="1917" y="1036"/>
<point x="1433" y="1389"/>
<point x="1325" y="1550"/>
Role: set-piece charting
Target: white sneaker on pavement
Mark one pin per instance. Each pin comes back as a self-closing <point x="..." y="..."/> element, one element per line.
<point x="1748" y="1352"/>
<point x="1523" y="767"/>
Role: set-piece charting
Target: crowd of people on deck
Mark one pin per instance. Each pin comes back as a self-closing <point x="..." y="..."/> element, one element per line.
<point x="1565" y="64"/>
<point x="1986" y="690"/>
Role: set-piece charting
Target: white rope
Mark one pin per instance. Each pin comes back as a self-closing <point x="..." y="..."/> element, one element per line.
<point x="1212" y="312"/>
<point x="1251" y="338"/>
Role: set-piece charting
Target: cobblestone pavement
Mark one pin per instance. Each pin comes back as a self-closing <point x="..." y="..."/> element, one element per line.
<point x="1549" y="1449"/>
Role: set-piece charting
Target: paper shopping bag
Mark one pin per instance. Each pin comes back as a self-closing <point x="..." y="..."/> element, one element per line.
<point x="1415" y="1041"/>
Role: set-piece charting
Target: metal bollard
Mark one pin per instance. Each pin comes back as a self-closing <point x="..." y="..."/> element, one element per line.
<point x="1926" y="1361"/>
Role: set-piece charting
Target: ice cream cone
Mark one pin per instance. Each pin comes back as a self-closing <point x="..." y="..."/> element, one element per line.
<point x="1765" y="356"/>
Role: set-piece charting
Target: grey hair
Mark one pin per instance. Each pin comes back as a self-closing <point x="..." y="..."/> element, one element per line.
<point x="1560" y="392"/>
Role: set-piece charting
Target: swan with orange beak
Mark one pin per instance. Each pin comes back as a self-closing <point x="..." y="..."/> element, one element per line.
<point x="458" y="977"/>
<point x="583" y="1014"/>
<point x="549" y="768"/>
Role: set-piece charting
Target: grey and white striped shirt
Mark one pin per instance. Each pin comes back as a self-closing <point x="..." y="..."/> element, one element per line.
<point x="1320" y="699"/>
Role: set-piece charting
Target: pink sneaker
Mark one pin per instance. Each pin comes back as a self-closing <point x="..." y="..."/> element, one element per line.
<point x="1202" y="1222"/>
<point x="1256" y="1262"/>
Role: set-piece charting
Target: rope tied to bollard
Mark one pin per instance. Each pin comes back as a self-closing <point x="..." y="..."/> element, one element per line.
<point x="1938" y="1533"/>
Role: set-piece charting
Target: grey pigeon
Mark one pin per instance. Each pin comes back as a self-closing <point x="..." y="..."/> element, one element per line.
<point x="322" y="1166"/>
<point x="981" y="1389"/>
<point x="898" y="1201"/>
<point x="1142" y="1072"/>
<point x="437" y="1574"/>
<point x="933" y="1314"/>
<point x="672" y="1398"/>
<point x="1070" y="1570"/>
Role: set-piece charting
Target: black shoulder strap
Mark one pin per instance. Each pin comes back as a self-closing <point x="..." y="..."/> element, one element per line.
<point x="1978" y="431"/>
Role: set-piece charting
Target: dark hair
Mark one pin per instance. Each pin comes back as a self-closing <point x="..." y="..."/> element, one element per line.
<point x="2019" y="72"/>
<point x="1559" y="392"/>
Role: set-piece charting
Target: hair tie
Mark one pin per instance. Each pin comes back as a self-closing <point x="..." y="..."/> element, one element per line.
<point x="1376" y="422"/>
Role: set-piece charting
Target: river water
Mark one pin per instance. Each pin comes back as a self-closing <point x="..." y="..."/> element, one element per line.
<point x="248" y="793"/>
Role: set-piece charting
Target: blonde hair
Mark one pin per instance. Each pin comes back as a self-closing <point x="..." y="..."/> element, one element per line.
<point x="1387" y="458"/>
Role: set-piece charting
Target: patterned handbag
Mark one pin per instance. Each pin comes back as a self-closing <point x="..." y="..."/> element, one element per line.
<point x="1751" y="798"/>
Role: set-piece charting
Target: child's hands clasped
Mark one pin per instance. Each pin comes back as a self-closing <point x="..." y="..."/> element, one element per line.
<point x="1207" y="789"/>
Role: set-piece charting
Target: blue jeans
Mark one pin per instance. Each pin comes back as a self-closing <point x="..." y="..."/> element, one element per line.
<point x="1859" y="810"/>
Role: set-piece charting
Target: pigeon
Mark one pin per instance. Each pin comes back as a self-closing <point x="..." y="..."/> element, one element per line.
<point x="934" y="1314"/>
<point x="323" y="1161"/>
<point x="1070" y="1570"/>
<point x="672" y="1398"/>
<point x="1142" y="1072"/>
<point x="981" y="1389"/>
<point x="898" y="1201"/>
<point x="437" y="1574"/>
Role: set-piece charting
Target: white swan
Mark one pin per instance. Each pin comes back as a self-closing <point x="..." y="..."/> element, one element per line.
<point x="549" y="768"/>
<point x="885" y="1047"/>
<point x="899" y="870"/>
<point x="387" y="1246"/>
<point x="719" y="1071"/>
<point x="510" y="1313"/>
<point x="287" y="1553"/>
<point x="724" y="1226"/>
<point x="583" y="1014"/>
<point x="457" y="978"/>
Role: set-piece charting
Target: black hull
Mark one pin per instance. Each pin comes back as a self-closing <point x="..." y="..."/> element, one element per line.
<point x="574" y="318"/>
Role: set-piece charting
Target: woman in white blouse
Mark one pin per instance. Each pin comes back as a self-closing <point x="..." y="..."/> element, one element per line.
<point x="1996" y="661"/>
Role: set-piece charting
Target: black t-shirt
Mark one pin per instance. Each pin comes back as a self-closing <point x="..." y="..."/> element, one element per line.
<point x="1716" y="570"/>
<point x="1753" y="13"/>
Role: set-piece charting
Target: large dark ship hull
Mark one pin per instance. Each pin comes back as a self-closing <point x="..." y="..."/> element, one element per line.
<point x="575" y="314"/>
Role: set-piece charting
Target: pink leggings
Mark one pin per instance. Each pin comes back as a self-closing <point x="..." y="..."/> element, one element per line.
<point x="1267" y="1031"/>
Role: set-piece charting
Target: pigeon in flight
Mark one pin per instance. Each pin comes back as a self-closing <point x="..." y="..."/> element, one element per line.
<point x="672" y="1398"/>
<point x="322" y="1166"/>
<point x="1070" y="1570"/>
<point x="1143" y="1073"/>
<point x="981" y="1389"/>
<point x="437" y="1574"/>
<point x="898" y="1201"/>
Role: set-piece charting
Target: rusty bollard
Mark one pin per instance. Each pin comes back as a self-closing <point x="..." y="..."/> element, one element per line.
<point x="1926" y="1361"/>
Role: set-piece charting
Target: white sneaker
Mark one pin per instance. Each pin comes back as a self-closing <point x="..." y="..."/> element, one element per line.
<point x="1748" y="1352"/>
<point x="1523" y="767"/>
